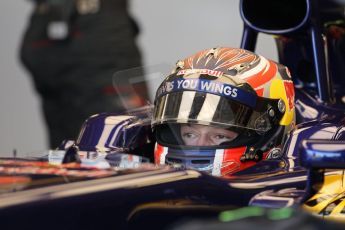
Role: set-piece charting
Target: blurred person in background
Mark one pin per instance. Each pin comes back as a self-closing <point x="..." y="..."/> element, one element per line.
<point x="71" y="49"/>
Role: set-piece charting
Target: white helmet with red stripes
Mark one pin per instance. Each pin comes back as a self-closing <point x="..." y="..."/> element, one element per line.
<point x="223" y="110"/>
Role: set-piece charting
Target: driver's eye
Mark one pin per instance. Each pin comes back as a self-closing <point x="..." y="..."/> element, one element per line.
<point x="189" y="135"/>
<point x="221" y="137"/>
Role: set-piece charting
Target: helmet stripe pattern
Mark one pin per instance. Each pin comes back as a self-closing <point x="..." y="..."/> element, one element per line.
<point x="207" y="108"/>
<point x="160" y="154"/>
<point x="263" y="76"/>
<point x="224" y="59"/>
<point x="217" y="163"/>
<point x="186" y="104"/>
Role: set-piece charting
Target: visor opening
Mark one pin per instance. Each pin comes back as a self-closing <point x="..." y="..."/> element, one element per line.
<point x="201" y="161"/>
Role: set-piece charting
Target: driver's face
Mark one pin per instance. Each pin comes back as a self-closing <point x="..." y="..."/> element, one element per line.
<point x="201" y="135"/>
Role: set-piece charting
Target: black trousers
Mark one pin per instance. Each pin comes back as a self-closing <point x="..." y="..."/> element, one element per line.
<point x="73" y="75"/>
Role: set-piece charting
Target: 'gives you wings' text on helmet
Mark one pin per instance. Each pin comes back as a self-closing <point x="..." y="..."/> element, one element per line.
<point x="223" y="110"/>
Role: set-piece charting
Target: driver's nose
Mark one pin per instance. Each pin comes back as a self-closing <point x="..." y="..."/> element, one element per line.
<point x="204" y="140"/>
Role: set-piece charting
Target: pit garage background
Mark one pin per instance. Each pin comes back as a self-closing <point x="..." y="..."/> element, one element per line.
<point x="178" y="27"/>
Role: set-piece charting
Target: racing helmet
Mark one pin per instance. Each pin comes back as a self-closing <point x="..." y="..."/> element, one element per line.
<point x="246" y="99"/>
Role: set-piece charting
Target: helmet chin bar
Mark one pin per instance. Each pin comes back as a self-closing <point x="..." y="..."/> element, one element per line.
<point x="255" y="152"/>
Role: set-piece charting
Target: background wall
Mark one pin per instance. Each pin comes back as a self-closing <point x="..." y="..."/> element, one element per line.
<point x="170" y="30"/>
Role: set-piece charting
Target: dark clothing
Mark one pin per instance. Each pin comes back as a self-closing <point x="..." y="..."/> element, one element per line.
<point x="73" y="74"/>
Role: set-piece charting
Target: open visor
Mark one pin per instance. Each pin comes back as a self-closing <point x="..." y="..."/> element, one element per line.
<point x="210" y="109"/>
